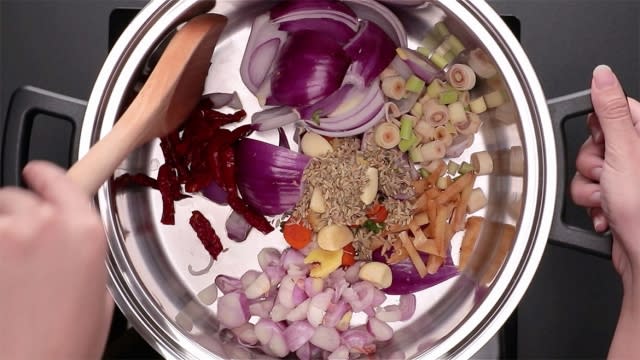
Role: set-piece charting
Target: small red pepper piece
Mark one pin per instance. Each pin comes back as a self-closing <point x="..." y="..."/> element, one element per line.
<point x="206" y="234"/>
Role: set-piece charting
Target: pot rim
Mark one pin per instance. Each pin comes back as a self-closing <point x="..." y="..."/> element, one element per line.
<point x="141" y="309"/>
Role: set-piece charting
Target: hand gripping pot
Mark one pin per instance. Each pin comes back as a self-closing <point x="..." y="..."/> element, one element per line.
<point x="148" y="262"/>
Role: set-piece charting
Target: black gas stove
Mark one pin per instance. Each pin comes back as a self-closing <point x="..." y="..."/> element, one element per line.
<point x="571" y="307"/>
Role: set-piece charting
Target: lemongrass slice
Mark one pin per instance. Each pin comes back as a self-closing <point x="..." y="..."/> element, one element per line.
<point x="471" y="126"/>
<point x="443" y="134"/>
<point x="494" y="99"/>
<point x="478" y="106"/>
<point x="516" y="161"/>
<point x="435" y="88"/>
<point x="394" y="87"/>
<point x="477" y="200"/>
<point x="457" y="113"/>
<point x="416" y="110"/>
<point x="387" y="135"/>
<point x="435" y="114"/>
<point x="465" y="98"/>
<point x="425" y="131"/>
<point x="442" y="182"/>
<point x="433" y="150"/>
<point x="461" y="77"/>
<point x="481" y="64"/>
<point x="482" y="162"/>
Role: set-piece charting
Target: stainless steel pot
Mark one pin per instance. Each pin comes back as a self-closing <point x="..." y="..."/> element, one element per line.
<point x="148" y="261"/>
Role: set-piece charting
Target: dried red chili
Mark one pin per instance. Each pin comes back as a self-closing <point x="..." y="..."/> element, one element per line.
<point x="206" y="234"/>
<point x="128" y="180"/>
<point x="253" y="217"/>
<point x="166" y="186"/>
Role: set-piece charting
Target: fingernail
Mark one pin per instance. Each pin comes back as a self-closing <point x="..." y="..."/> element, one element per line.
<point x="603" y="77"/>
<point x="595" y="197"/>
<point x="598" y="223"/>
<point x="597" y="136"/>
<point x="596" y="173"/>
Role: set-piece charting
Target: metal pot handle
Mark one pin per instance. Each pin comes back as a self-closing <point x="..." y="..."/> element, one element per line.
<point x="563" y="234"/>
<point x="26" y="102"/>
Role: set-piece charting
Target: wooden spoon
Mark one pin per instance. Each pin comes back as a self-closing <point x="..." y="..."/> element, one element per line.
<point x="168" y="96"/>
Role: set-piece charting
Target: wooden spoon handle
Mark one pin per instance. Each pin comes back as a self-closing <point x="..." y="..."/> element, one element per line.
<point x="92" y="170"/>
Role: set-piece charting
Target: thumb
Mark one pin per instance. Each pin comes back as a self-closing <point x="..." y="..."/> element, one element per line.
<point x="610" y="104"/>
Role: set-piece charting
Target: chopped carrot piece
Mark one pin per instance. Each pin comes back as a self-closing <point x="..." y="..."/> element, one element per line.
<point x="297" y="235"/>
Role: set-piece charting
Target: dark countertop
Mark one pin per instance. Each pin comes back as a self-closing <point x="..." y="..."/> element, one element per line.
<point x="571" y="307"/>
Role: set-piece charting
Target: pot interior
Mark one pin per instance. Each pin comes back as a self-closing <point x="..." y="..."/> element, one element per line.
<point x="149" y="262"/>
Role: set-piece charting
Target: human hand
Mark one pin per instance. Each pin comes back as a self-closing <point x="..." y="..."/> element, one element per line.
<point x="53" y="298"/>
<point x="608" y="171"/>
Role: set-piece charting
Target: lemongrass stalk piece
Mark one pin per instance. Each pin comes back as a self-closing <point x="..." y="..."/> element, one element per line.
<point x="481" y="64"/>
<point x="452" y="167"/>
<point x="387" y="135"/>
<point x="434" y="89"/>
<point x="464" y="168"/>
<point x="416" y="110"/>
<point x="461" y="77"/>
<point x="394" y="87"/>
<point x="478" y="106"/>
<point x="442" y="134"/>
<point x="414" y="84"/>
<point x="477" y="200"/>
<point x="441" y="29"/>
<point x="448" y="97"/>
<point x="425" y="130"/>
<point x="406" y="127"/>
<point x="494" y="99"/>
<point x="471" y="126"/>
<point x="439" y="60"/>
<point x="433" y="150"/>
<point x="415" y="155"/>
<point x="457" y="115"/>
<point x="482" y="162"/>
<point x="435" y="114"/>
<point x="405" y="144"/>
<point x="423" y="172"/>
<point x="455" y="44"/>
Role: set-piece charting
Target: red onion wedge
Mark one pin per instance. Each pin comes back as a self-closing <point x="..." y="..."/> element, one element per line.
<point x="310" y="67"/>
<point x="274" y="118"/>
<point x="371" y="51"/>
<point x="340" y="28"/>
<point x="274" y="186"/>
<point x="381" y="15"/>
<point x="257" y="60"/>
<point x="286" y="8"/>
<point x="406" y="279"/>
<point x="420" y="65"/>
